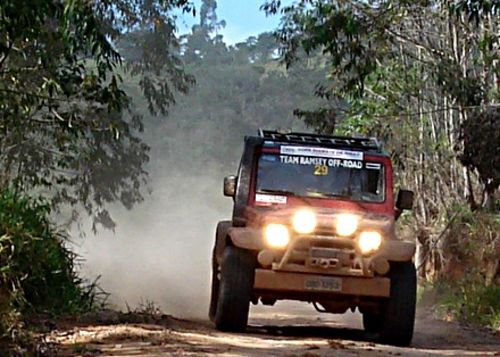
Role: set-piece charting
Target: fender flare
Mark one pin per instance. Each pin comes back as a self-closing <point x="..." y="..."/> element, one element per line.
<point x="241" y="237"/>
<point x="247" y="238"/>
<point x="398" y="251"/>
<point x="221" y="240"/>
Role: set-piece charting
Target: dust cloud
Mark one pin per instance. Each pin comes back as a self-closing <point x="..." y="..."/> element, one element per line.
<point x="161" y="250"/>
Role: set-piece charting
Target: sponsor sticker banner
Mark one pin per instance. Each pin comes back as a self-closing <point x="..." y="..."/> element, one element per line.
<point x="320" y="161"/>
<point x="270" y="198"/>
<point x="321" y="152"/>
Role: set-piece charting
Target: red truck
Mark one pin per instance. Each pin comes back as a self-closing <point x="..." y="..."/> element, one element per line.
<point x="314" y="220"/>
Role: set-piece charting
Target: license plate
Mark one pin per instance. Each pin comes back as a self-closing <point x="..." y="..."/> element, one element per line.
<point x="323" y="284"/>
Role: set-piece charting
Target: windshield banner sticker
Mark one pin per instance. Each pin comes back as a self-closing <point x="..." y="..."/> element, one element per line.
<point x="321" y="152"/>
<point x="318" y="161"/>
<point x="270" y="198"/>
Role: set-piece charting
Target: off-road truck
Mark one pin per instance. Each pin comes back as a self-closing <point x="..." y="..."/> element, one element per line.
<point x="314" y="220"/>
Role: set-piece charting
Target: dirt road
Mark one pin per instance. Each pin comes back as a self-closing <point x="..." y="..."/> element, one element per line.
<point x="285" y="330"/>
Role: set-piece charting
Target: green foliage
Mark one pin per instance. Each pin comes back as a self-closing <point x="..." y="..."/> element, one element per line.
<point x="471" y="246"/>
<point x="36" y="269"/>
<point x="476" y="303"/>
<point x="468" y="287"/>
<point x="468" y="301"/>
<point x="350" y="34"/>
<point x="67" y="126"/>
<point x="359" y="38"/>
<point x="480" y="134"/>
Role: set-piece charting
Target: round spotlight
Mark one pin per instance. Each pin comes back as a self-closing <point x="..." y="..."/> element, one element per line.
<point x="277" y="235"/>
<point x="304" y="221"/>
<point x="369" y="242"/>
<point x="346" y="224"/>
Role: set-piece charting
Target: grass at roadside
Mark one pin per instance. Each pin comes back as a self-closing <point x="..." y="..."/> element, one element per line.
<point x="467" y="286"/>
<point x="466" y="301"/>
<point x="37" y="270"/>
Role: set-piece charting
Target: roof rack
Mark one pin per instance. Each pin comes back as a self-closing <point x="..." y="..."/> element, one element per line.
<point x="319" y="139"/>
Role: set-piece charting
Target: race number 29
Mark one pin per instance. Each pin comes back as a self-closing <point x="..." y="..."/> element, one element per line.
<point x="320" y="170"/>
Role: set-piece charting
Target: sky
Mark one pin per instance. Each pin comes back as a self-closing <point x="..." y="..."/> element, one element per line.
<point x="243" y="19"/>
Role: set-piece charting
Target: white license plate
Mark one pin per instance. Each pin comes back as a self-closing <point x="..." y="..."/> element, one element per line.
<point x="323" y="284"/>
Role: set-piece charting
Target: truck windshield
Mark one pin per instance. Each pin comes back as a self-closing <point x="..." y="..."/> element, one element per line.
<point x="321" y="177"/>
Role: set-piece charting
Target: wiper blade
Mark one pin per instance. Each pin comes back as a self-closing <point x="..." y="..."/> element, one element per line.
<point x="283" y="192"/>
<point x="329" y="194"/>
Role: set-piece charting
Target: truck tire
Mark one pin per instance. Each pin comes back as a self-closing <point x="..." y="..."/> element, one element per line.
<point x="235" y="290"/>
<point x="220" y="242"/>
<point x="214" y="291"/>
<point x="398" y="315"/>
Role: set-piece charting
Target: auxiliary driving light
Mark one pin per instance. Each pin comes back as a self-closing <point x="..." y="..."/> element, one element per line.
<point x="369" y="242"/>
<point x="304" y="221"/>
<point x="346" y="224"/>
<point x="277" y="235"/>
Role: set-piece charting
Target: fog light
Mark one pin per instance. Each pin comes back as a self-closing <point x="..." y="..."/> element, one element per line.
<point x="346" y="224"/>
<point x="369" y="242"/>
<point x="277" y="235"/>
<point x="304" y="221"/>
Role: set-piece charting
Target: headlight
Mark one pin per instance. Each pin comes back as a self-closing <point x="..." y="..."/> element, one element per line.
<point x="369" y="242"/>
<point x="277" y="235"/>
<point x="346" y="224"/>
<point x="304" y="221"/>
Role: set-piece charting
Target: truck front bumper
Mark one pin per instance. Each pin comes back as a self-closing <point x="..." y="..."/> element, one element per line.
<point x="289" y="284"/>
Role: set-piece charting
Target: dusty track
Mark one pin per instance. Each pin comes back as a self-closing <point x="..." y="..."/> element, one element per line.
<point x="292" y="330"/>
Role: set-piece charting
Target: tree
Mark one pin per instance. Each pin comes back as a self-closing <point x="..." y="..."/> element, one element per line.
<point x="480" y="134"/>
<point x="208" y="16"/>
<point x="67" y="125"/>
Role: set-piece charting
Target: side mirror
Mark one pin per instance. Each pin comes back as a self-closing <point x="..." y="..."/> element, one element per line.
<point x="230" y="186"/>
<point x="404" y="200"/>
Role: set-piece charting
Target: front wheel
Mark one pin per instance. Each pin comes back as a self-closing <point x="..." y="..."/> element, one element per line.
<point x="235" y="290"/>
<point x="214" y="292"/>
<point x="398" y="315"/>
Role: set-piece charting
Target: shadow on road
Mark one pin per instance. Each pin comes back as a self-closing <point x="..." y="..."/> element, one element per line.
<point x="312" y="331"/>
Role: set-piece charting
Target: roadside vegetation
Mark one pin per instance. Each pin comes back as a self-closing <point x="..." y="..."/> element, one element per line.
<point x="37" y="271"/>
<point x="468" y="302"/>
<point x="468" y="286"/>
